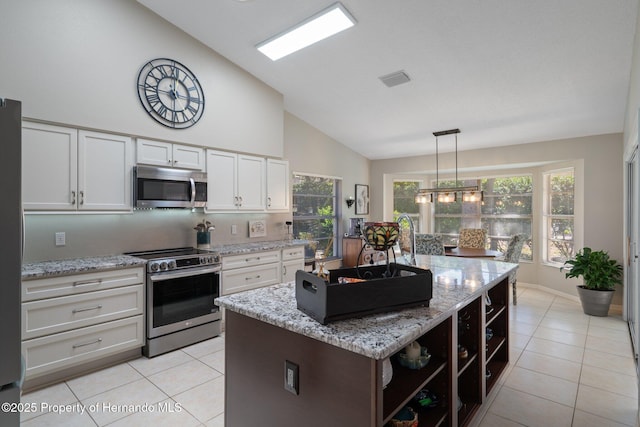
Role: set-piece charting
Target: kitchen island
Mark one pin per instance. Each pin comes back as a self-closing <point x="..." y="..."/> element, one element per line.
<point x="335" y="371"/>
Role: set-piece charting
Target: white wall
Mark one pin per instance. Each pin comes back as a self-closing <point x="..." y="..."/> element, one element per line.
<point x="311" y="151"/>
<point x="599" y="172"/>
<point x="76" y="62"/>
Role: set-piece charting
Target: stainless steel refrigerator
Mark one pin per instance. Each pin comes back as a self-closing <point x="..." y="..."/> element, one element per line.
<point x="11" y="233"/>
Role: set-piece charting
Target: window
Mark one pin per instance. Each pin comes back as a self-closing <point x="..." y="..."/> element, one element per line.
<point x="558" y="208"/>
<point x="315" y="213"/>
<point x="506" y="210"/>
<point x="404" y="193"/>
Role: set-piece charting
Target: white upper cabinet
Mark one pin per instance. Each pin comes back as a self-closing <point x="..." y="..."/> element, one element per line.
<point x="235" y="181"/>
<point x="251" y="190"/>
<point x="278" y="193"/>
<point x="49" y="167"/>
<point x="67" y="169"/>
<point x="104" y="171"/>
<point x="166" y="154"/>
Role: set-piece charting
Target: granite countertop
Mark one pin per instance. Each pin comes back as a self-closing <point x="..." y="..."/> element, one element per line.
<point x="456" y="282"/>
<point x="42" y="269"/>
<point x="39" y="270"/>
<point x="245" y="248"/>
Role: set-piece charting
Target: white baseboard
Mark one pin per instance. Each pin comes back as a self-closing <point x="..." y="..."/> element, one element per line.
<point x="613" y="309"/>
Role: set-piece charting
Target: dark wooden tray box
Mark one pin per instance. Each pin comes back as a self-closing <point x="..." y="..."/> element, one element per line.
<point x="329" y="301"/>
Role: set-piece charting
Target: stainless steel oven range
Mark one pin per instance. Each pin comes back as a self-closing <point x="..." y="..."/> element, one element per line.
<point x="180" y="288"/>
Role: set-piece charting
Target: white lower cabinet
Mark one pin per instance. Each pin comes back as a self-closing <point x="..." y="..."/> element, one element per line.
<point x="292" y="261"/>
<point x="250" y="271"/>
<point x="258" y="269"/>
<point x="67" y="320"/>
<point x="65" y="313"/>
<point x="52" y="352"/>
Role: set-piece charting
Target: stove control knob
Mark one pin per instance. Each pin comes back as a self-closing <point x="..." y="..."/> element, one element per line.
<point x="210" y="259"/>
<point x="154" y="266"/>
<point x="172" y="264"/>
<point x="216" y="258"/>
<point x="163" y="265"/>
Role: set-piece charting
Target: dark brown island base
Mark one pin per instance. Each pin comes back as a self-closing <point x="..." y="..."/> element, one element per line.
<point x="285" y="369"/>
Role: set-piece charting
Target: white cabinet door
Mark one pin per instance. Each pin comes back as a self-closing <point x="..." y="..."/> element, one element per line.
<point x="104" y="171"/>
<point x="49" y="167"/>
<point x="277" y="185"/>
<point x="251" y="187"/>
<point x="158" y="153"/>
<point x="289" y="269"/>
<point x="235" y="181"/>
<point x="221" y="180"/>
<point x="188" y="157"/>
<point x="155" y="153"/>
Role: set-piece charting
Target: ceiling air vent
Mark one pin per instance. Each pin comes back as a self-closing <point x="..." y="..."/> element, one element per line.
<point x="395" y="79"/>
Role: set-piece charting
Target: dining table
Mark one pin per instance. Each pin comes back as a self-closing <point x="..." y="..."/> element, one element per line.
<point x="471" y="252"/>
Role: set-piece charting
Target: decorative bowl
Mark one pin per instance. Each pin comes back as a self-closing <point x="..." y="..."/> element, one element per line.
<point x="418" y="363"/>
<point x="381" y="235"/>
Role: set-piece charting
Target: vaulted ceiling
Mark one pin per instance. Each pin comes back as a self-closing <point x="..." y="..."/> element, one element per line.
<point x="503" y="71"/>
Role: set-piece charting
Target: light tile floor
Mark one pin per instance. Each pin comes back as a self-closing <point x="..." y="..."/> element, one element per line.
<point x="566" y="369"/>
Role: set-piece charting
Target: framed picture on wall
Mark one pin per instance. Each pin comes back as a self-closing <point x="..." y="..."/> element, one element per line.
<point x="362" y="199"/>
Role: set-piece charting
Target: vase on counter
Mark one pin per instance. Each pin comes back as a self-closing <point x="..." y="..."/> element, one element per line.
<point x="203" y="239"/>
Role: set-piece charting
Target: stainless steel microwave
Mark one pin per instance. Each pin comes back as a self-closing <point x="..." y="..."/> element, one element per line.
<point x="156" y="187"/>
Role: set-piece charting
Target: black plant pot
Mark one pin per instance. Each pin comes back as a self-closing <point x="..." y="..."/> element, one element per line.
<point x="595" y="302"/>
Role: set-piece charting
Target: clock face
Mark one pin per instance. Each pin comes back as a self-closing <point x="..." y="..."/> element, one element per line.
<point x="170" y="93"/>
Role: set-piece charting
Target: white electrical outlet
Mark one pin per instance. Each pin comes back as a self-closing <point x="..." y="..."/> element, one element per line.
<point x="61" y="238"/>
<point x="234" y="229"/>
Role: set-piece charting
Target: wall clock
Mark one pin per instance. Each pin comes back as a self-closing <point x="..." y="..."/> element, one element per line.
<point x="170" y="93"/>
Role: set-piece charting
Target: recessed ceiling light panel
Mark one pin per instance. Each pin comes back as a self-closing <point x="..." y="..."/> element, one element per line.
<point x="323" y="24"/>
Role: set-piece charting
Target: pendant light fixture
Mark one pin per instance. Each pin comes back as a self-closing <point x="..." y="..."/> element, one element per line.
<point x="448" y="194"/>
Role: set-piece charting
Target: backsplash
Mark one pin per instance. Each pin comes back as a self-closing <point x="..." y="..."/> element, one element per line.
<point x="108" y="234"/>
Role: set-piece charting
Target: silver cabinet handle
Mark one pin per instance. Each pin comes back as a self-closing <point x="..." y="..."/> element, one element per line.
<point x="88" y="282"/>
<point x="73" y="197"/>
<point x="268" y="201"/>
<point x="249" y="259"/>
<point x="87" y="343"/>
<point x="80" y="310"/>
<point x="82" y="197"/>
<point x="284" y="270"/>
<point x="255" y="277"/>
<point x="240" y="200"/>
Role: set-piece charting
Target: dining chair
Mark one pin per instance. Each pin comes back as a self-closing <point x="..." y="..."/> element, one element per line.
<point x="512" y="255"/>
<point x="429" y="244"/>
<point x="472" y="238"/>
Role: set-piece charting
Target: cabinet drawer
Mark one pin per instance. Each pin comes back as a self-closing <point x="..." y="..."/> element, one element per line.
<point x="64" y="313"/>
<point x="53" y="352"/>
<point x="80" y="283"/>
<point x="249" y="260"/>
<point x="293" y="253"/>
<point x="250" y="278"/>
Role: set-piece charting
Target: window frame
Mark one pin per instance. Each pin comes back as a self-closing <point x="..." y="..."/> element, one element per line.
<point x="337" y="213"/>
<point x="547" y="216"/>
<point x="478" y="218"/>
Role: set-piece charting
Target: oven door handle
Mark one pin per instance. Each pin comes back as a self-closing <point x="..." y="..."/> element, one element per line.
<point x="191" y="272"/>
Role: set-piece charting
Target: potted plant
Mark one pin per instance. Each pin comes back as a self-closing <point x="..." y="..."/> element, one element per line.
<point x="600" y="274"/>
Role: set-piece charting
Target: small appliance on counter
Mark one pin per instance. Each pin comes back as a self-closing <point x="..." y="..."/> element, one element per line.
<point x="355" y="227"/>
